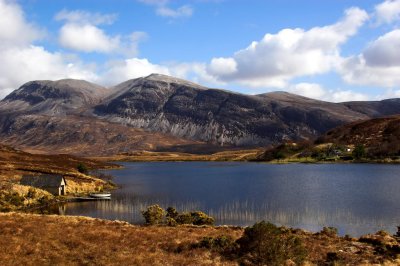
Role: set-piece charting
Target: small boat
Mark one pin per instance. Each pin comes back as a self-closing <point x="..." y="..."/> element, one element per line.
<point x="100" y="195"/>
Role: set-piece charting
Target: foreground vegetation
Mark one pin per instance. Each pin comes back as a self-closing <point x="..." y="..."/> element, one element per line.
<point x="29" y="239"/>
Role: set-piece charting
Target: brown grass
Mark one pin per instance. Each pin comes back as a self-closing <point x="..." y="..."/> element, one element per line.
<point x="148" y="156"/>
<point x="28" y="239"/>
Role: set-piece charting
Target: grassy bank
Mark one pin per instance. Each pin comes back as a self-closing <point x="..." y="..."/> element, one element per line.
<point x="148" y="156"/>
<point x="15" y="163"/>
<point x="29" y="239"/>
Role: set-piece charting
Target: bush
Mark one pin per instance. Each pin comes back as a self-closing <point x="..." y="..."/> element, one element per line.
<point x="171" y="221"/>
<point x="359" y="152"/>
<point x="266" y="244"/>
<point x="200" y="218"/>
<point x="329" y="231"/>
<point x="153" y="215"/>
<point x="82" y="168"/>
<point x="14" y="199"/>
<point x="222" y="244"/>
<point x="172" y="213"/>
<point x="31" y="193"/>
<point x="195" y="218"/>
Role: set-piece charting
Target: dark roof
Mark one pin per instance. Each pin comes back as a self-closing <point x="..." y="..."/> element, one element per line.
<point x="42" y="180"/>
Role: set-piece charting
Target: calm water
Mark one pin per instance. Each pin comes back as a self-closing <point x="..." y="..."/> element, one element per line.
<point x="355" y="198"/>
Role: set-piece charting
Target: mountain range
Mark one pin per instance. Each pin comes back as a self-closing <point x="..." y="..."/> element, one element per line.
<point x="163" y="112"/>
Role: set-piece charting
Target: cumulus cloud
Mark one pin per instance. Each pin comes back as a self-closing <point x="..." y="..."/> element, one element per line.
<point x="316" y="91"/>
<point x="388" y="11"/>
<point x="377" y="65"/>
<point x="87" y="38"/>
<point x="84" y="17"/>
<point x="290" y="53"/>
<point x="22" y="61"/>
<point x="82" y="33"/>
<point x="162" y="9"/>
<point x="120" y="71"/>
<point x="14" y="29"/>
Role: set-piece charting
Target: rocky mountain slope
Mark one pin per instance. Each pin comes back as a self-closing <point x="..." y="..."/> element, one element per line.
<point x="161" y="112"/>
<point x="169" y="105"/>
<point x="53" y="97"/>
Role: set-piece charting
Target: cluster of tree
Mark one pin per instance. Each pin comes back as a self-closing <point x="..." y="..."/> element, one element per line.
<point x="157" y="215"/>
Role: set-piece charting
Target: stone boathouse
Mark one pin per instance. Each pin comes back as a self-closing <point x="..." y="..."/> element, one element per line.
<point x="55" y="184"/>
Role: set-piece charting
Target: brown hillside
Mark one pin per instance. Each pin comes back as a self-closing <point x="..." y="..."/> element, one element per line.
<point x="380" y="135"/>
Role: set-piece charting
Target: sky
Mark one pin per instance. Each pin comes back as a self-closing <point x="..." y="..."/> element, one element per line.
<point x="333" y="50"/>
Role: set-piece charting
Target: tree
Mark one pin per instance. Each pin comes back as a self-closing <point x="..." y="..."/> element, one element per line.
<point x="359" y="152"/>
<point x="82" y="168"/>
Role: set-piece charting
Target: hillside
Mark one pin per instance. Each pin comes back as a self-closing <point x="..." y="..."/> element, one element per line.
<point x="381" y="135"/>
<point x="162" y="113"/>
<point x="16" y="163"/>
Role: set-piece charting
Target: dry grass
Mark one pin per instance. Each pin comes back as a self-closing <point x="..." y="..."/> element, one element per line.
<point x="28" y="239"/>
<point x="148" y="156"/>
<point x="49" y="240"/>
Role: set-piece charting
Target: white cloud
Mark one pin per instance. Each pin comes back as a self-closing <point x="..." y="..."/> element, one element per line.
<point x="290" y="53"/>
<point x="222" y="66"/>
<point x="388" y="11"/>
<point x="81" y="33"/>
<point x="310" y="90"/>
<point x="21" y="61"/>
<point x="316" y="91"/>
<point x="162" y="9"/>
<point x="385" y="51"/>
<point x="20" y="65"/>
<point x="84" y="17"/>
<point x="378" y="65"/>
<point x="87" y="38"/>
<point x="14" y="29"/>
<point x="120" y="71"/>
<point x="183" y="11"/>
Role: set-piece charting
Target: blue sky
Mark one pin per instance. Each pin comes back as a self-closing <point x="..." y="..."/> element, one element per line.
<point x="335" y="50"/>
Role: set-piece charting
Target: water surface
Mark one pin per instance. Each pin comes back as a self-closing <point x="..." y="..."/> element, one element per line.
<point x="355" y="198"/>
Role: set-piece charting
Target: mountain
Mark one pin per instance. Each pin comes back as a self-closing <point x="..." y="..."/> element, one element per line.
<point x="50" y="117"/>
<point x="53" y="97"/>
<point x="164" y="104"/>
<point x="380" y="135"/>
<point x="159" y="112"/>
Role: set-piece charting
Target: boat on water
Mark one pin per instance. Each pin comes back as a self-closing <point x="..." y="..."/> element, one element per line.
<point x="100" y="195"/>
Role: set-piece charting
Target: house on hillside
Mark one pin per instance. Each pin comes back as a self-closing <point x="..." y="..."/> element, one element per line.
<point x="55" y="184"/>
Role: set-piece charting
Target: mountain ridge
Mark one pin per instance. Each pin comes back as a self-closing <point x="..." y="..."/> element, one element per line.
<point x="179" y="110"/>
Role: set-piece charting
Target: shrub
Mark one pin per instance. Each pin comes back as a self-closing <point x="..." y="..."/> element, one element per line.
<point x="195" y="218"/>
<point x="266" y="244"/>
<point x="171" y="221"/>
<point x="14" y="199"/>
<point x="329" y="231"/>
<point x="82" y="168"/>
<point x="31" y="193"/>
<point x="184" y="218"/>
<point x="222" y="244"/>
<point x="200" y="218"/>
<point x="172" y="213"/>
<point x="153" y="215"/>
<point x="359" y="152"/>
